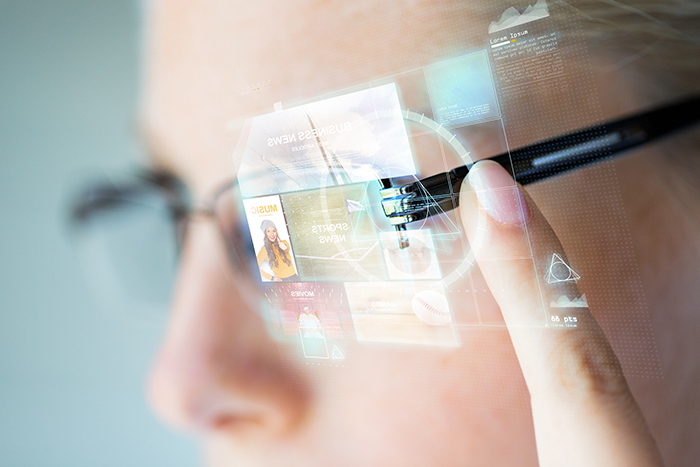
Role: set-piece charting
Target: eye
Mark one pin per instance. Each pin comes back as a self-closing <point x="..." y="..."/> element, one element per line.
<point x="243" y="242"/>
<point x="234" y="227"/>
<point x="123" y="227"/>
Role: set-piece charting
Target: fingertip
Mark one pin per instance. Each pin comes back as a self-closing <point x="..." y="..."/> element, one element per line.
<point x="498" y="194"/>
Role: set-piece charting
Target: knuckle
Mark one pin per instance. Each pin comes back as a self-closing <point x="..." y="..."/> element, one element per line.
<point x="585" y="365"/>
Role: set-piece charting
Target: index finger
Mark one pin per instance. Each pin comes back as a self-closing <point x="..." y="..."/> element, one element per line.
<point x="581" y="403"/>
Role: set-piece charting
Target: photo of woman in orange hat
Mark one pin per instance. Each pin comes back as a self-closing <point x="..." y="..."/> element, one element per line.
<point x="277" y="254"/>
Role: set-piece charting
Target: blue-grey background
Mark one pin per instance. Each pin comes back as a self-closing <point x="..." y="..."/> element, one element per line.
<point x="71" y="377"/>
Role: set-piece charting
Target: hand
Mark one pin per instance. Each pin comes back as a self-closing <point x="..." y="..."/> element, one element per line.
<point x="584" y="413"/>
<point x="276" y="279"/>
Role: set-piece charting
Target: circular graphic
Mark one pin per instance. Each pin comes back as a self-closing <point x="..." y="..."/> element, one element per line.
<point x="560" y="272"/>
<point x="431" y="307"/>
<point x="416" y="259"/>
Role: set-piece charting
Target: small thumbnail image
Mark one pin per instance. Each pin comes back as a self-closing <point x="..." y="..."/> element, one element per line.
<point x="461" y="90"/>
<point x="270" y="237"/>
<point x="313" y="340"/>
<point x="334" y="236"/>
<point x="417" y="261"/>
<point x="401" y="312"/>
<point x="317" y="313"/>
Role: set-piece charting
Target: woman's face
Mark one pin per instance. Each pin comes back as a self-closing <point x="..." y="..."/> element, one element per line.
<point x="218" y="372"/>
<point x="271" y="233"/>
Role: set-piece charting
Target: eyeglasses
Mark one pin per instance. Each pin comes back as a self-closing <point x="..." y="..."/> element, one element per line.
<point x="130" y="227"/>
<point x="439" y="193"/>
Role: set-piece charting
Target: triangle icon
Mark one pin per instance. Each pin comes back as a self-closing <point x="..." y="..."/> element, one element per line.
<point x="558" y="271"/>
<point x="354" y="206"/>
<point x="336" y="354"/>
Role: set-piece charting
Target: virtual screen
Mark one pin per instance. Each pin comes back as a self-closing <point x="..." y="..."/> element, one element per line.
<point x="333" y="266"/>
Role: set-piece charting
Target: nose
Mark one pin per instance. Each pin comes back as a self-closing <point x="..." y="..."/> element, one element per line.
<point x="217" y="368"/>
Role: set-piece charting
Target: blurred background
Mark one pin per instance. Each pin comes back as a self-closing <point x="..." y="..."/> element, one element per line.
<point x="72" y="377"/>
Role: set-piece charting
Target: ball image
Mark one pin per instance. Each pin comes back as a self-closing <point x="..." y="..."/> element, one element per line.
<point x="431" y="307"/>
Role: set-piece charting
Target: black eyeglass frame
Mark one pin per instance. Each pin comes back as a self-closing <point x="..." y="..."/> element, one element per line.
<point x="436" y="194"/>
<point x="439" y="193"/>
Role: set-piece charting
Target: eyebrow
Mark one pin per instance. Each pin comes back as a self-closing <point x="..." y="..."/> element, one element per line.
<point x="153" y="148"/>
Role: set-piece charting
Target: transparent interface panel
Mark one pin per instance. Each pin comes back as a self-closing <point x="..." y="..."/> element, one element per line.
<point x="331" y="262"/>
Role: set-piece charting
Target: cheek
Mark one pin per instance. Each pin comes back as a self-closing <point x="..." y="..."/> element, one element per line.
<point x="424" y="403"/>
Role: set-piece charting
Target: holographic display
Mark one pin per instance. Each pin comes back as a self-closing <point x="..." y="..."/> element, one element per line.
<point x="325" y="163"/>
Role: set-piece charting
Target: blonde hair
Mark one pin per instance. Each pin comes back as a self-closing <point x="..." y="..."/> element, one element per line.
<point x="653" y="43"/>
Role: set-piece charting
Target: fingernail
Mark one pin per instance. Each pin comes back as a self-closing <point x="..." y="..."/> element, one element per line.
<point x="498" y="194"/>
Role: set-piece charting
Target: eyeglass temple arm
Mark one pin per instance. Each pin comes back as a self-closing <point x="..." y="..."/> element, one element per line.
<point x="440" y="193"/>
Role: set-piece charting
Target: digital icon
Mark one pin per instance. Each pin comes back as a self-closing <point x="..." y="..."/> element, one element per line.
<point x="431" y="307"/>
<point x="512" y="17"/>
<point x="354" y="206"/>
<point x="566" y="302"/>
<point x="559" y="271"/>
<point x="336" y="354"/>
<point x="313" y="342"/>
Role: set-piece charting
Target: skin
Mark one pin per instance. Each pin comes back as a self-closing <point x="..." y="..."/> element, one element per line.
<point x="504" y="397"/>
<point x="271" y="233"/>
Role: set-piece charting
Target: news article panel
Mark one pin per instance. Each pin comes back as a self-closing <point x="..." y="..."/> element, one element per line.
<point x="345" y="139"/>
<point x="309" y="178"/>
